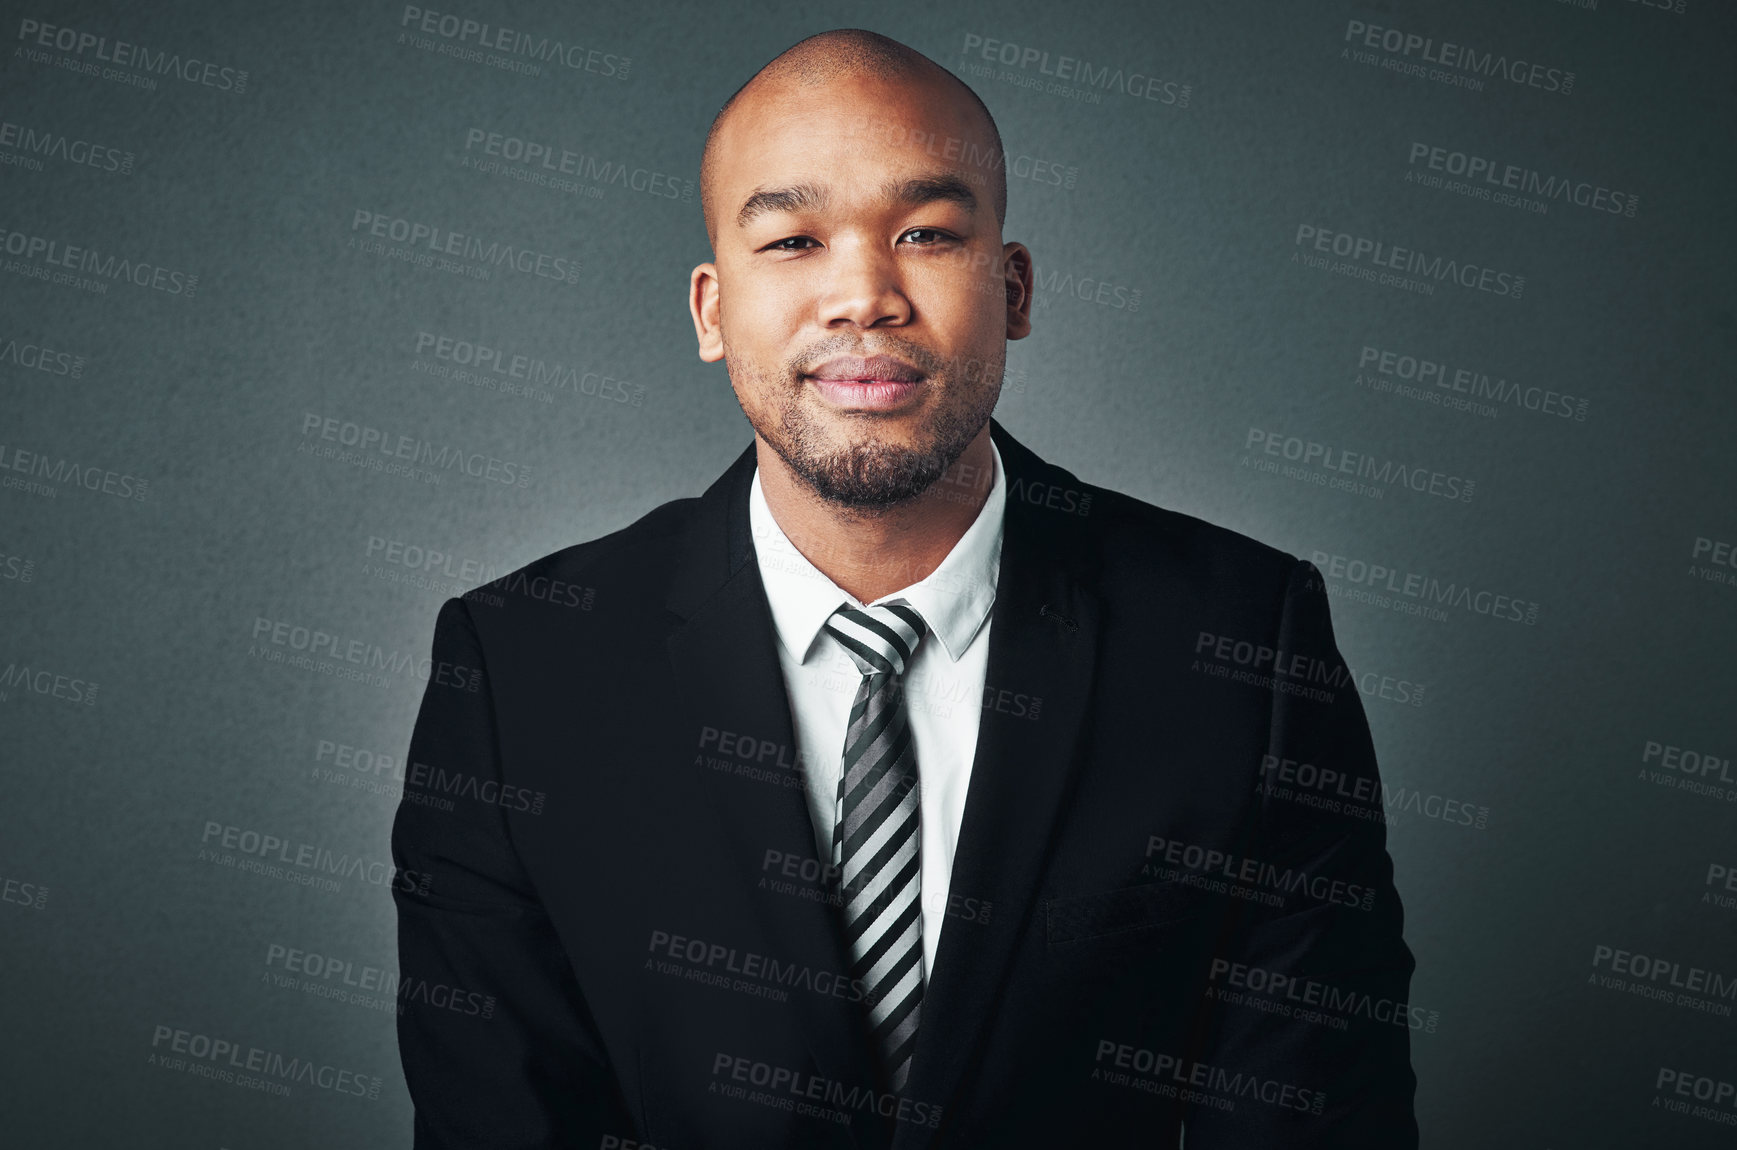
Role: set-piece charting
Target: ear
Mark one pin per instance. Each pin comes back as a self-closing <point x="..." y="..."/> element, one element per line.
<point x="703" y="304"/>
<point x="1017" y="274"/>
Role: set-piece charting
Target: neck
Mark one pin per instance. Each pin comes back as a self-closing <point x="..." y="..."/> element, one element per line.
<point x="871" y="552"/>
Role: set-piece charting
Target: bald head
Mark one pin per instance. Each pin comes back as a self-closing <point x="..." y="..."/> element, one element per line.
<point x="855" y="54"/>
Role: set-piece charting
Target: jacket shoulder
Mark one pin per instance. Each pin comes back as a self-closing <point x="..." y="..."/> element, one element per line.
<point x="1143" y="540"/>
<point x="627" y="565"/>
<point x="1129" y="534"/>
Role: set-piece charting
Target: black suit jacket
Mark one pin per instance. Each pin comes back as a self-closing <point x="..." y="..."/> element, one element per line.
<point x="1171" y="901"/>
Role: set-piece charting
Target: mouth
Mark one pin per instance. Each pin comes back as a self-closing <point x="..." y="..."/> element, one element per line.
<point x="877" y="383"/>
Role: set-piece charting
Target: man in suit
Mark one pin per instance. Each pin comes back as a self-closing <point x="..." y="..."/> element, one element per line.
<point x="903" y="790"/>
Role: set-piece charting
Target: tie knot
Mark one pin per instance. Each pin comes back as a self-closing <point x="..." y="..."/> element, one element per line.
<point x="881" y="640"/>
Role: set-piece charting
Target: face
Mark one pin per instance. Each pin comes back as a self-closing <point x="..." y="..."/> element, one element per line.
<point x="861" y="295"/>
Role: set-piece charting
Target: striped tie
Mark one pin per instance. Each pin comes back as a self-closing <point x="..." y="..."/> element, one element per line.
<point x="875" y="829"/>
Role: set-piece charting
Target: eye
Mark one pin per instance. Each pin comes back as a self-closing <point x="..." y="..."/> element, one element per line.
<point x="785" y="244"/>
<point x="935" y="236"/>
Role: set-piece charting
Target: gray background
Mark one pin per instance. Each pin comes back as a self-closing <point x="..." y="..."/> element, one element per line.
<point x="114" y="923"/>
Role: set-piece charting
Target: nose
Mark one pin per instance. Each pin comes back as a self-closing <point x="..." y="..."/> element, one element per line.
<point x="863" y="289"/>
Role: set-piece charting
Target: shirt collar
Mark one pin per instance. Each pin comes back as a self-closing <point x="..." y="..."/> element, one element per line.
<point x="954" y="599"/>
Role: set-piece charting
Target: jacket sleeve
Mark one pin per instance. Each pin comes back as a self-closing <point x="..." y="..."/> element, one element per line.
<point x="1330" y="1067"/>
<point x="498" y="1046"/>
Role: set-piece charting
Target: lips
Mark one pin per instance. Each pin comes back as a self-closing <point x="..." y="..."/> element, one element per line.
<point x="874" y="369"/>
<point x="877" y="383"/>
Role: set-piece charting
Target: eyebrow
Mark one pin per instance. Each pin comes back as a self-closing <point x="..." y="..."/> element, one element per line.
<point x="913" y="192"/>
<point x="796" y="198"/>
<point x="920" y="190"/>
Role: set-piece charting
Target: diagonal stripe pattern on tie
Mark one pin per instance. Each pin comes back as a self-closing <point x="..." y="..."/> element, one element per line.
<point x="876" y="829"/>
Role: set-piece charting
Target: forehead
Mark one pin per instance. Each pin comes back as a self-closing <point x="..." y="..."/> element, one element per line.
<point x="850" y="135"/>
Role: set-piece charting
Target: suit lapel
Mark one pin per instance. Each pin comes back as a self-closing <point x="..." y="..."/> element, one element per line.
<point x="1042" y="643"/>
<point x="726" y="669"/>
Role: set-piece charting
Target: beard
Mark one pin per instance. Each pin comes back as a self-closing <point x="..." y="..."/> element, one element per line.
<point x="866" y="473"/>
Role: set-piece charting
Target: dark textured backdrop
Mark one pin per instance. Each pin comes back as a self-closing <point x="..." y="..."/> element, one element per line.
<point x="1478" y="253"/>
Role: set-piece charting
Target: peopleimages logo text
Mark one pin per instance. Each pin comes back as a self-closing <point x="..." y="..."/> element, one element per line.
<point x="1522" y="180"/>
<point x="1392" y="580"/>
<point x="92" y="261"/>
<point x="1410" y="261"/>
<point x="463" y="30"/>
<point x="444" y="241"/>
<point x="1075" y="70"/>
<point x="1459" y="57"/>
<point x="122" y="54"/>
<point x="424" y="453"/>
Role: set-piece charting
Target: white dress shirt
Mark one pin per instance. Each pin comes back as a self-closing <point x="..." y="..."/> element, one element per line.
<point x="943" y="683"/>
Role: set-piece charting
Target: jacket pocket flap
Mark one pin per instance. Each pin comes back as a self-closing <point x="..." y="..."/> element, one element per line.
<point x="1128" y="908"/>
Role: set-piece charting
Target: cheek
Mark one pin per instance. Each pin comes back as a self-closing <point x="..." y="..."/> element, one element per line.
<point x="989" y="306"/>
<point x="968" y="305"/>
<point x="761" y="318"/>
<point x="981" y="323"/>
